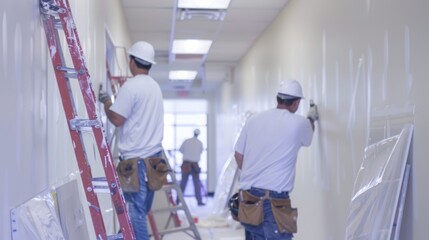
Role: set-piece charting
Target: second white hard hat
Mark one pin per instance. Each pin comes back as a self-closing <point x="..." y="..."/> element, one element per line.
<point x="197" y="131"/>
<point x="144" y="51"/>
<point x="290" y="89"/>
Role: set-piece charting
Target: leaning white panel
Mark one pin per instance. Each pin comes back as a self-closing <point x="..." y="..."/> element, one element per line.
<point x="377" y="188"/>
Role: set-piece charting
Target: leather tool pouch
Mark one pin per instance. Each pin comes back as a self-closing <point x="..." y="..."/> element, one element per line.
<point x="286" y="217"/>
<point x="190" y="167"/>
<point x="251" y="209"/>
<point x="156" y="170"/>
<point x="186" y="167"/>
<point x="128" y="175"/>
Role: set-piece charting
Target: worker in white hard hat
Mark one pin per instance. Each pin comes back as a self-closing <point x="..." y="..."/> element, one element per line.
<point x="138" y="110"/>
<point x="191" y="150"/>
<point x="266" y="152"/>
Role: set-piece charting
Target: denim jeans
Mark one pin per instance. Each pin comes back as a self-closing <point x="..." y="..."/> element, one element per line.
<point x="139" y="204"/>
<point x="268" y="229"/>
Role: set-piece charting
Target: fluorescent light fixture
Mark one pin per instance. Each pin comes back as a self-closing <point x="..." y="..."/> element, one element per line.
<point x="182" y="75"/>
<point x="204" y="4"/>
<point x="191" y="46"/>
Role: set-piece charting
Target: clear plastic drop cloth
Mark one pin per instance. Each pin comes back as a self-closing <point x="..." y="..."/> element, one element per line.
<point x="377" y="188"/>
<point x="225" y="185"/>
<point x="37" y="219"/>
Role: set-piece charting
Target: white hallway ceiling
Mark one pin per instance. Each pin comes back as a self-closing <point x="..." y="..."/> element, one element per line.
<point x="156" y="21"/>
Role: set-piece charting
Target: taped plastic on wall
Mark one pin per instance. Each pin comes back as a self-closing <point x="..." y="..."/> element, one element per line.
<point x="377" y="188"/>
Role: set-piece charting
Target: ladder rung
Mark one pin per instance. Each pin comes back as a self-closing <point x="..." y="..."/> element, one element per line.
<point x="116" y="236"/>
<point x="170" y="209"/>
<point x="69" y="72"/>
<point x="57" y="24"/>
<point x="170" y="186"/>
<point x="100" y="185"/>
<point x="172" y="230"/>
<point x="80" y="124"/>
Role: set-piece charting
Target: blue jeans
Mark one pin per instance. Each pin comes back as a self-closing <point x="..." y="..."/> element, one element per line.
<point x="267" y="230"/>
<point x="139" y="204"/>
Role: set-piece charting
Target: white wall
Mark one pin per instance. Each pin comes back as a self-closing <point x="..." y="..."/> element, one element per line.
<point x="351" y="57"/>
<point x="35" y="142"/>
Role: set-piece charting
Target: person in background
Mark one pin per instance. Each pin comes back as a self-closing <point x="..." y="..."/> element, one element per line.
<point x="191" y="149"/>
<point x="266" y="152"/>
<point x="138" y="110"/>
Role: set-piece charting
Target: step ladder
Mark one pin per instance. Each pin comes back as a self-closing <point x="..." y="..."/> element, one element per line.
<point x="56" y="16"/>
<point x="173" y="224"/>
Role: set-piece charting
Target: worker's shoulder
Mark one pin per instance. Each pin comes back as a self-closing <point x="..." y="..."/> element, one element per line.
<point x="262" y="115"/>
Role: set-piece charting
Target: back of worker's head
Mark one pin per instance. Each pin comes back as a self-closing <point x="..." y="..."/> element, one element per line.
<point x="143" y="54"/>
<point x="289" y="91"/>
<point x="197" y="132"/>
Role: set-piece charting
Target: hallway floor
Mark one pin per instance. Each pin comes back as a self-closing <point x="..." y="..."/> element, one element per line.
<point x="209" y="226"/>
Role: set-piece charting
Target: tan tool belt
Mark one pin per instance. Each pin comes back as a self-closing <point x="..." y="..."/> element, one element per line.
<point x="251" y="211"/>
<point x="190" y="167"/>
<point x="156" y="172"/>
<point x="128" y="175"/>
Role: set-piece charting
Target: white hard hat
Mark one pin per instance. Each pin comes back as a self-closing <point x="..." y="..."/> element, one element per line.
<point x="144" y="51"/>
<point x="197" y="131"/>
<point x="290" y="89"/>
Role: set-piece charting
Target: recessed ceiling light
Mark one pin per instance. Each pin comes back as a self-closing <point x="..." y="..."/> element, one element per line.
<point x="182" y="75"/>
<point x="204" y="4"/>
<point x="191" y="46"/>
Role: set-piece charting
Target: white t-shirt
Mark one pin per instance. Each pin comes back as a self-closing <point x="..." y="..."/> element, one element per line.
<point x="191" y="149"/>
<point x="269" y="142"/>
<point x="140" y="101"/>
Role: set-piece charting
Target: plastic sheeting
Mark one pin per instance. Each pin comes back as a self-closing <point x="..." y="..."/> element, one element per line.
<point x="37" y="219"/>
<point x="225" y="186"/>
<point x="56" y="213"/>
<point x="377" y="188"/>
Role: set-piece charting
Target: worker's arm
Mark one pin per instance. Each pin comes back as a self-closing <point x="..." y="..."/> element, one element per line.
<point x="113" y="117"/>
<point x="313" y="114"/>
<point x="311" y="122"/>
<point x="239" y="159"/>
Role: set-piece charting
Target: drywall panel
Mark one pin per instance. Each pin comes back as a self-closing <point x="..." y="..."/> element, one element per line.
<point x="352" y="58"/>
<point x="70" y="211"/>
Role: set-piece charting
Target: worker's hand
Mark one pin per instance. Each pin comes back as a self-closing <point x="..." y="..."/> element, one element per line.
<point x="313" y="114"/>
<point x="103" y="97"/>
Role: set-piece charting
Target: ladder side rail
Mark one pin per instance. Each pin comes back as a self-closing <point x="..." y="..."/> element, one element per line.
<point x="68" y="105"/>
<point x="153" y="226"/>
<point x="78" y="59"/>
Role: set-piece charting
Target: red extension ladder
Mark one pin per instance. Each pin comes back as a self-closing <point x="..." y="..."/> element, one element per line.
<point x="56" y="15"/>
